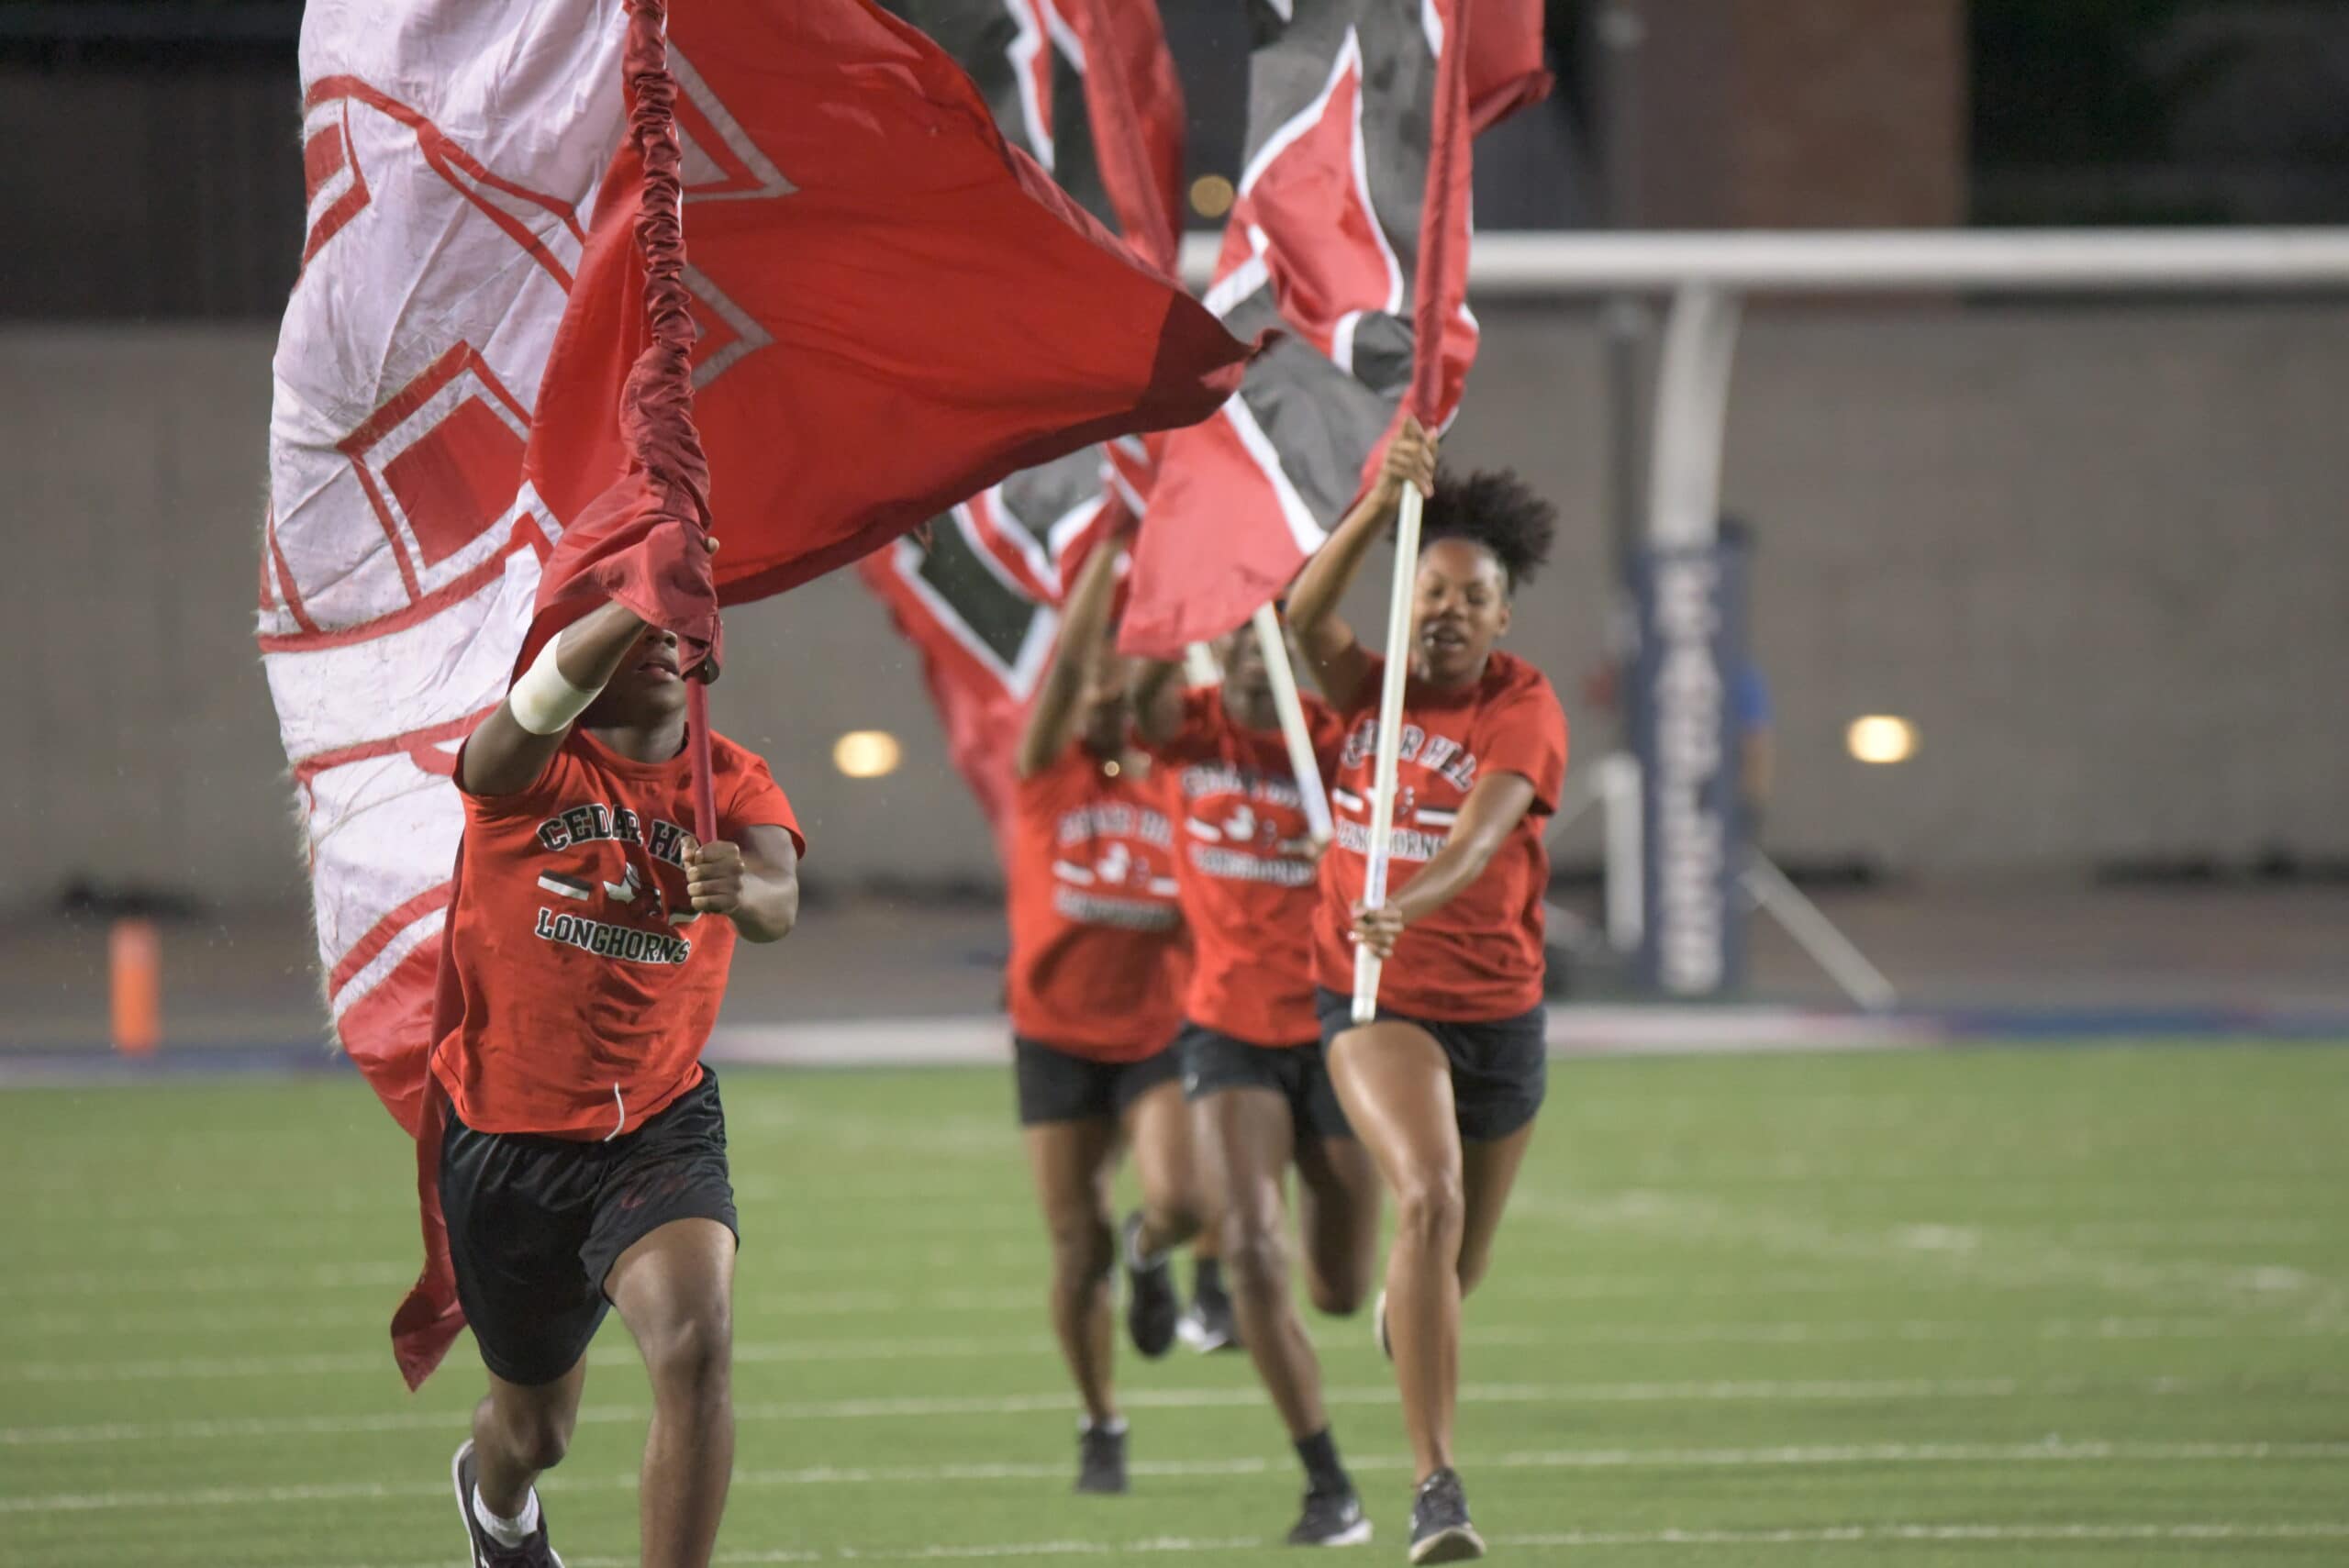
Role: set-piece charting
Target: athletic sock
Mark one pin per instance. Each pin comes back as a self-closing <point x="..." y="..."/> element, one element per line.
<point x="1207" y="1277"/>
<point x="1114" y="1426"/>
<point x="513" y="1532"/>
<point x="1136" y="1259"/>
<point x="1323" y="1472"/>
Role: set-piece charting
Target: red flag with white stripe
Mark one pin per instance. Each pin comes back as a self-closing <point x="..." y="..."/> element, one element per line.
<point x="1088" y="87"/>
<point x="1351" y="231"/>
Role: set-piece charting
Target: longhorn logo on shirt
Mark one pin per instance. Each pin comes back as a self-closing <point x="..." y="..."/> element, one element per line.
<point x="632" y="882"/>
<point x="1115" y="865"/>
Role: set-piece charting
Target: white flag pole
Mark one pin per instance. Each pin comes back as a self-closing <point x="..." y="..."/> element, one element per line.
<point x="1390" y="739"/>
<point x="1200" y="668"/>
<point x="1301" y="761"/>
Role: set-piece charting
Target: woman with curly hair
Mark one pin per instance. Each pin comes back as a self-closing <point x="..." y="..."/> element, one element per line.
<point x="1443" y="1086"/>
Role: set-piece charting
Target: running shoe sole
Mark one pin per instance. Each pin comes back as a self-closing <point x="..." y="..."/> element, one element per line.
<point x="1460" y="1543"/>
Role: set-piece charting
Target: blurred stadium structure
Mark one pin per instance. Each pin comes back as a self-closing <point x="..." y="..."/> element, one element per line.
<point x="2083" y="545"/>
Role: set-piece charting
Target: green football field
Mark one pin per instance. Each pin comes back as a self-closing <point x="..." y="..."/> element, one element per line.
<point x="2081" y="1306"/>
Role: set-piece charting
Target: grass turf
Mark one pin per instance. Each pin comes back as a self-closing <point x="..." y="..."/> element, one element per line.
<point x="2056" y="1306"/>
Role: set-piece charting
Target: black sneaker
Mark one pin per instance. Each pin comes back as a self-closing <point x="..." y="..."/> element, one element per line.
<point x="1151" y="1306"/>
<point x="1101" y="1459"/>
<point x="1440" y="1528"/>
<point x="1330" y="1518"/>
<point x="1210" y="1324"/>
<point x="487" y="1552"/>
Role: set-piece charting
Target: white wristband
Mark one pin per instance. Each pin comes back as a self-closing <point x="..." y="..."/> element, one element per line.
<point x="542" y="701"/>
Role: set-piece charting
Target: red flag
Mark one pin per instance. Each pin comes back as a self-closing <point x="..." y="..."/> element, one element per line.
<point x="1351" y="230"/>
<point x="1134" y="109"/>
<point x="918" y="314"/>
<point x="1506" y="69"/>
<point x="977" y="592"/>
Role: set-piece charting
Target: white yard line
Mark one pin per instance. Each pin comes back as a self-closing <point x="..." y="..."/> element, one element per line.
<point x="137" y="1280"/>
<point x="1977" y="1255"/>
<point x="259" y="1321"/>
<point x="1330" y="1338"/>
<point x="390" y="1278"/>
<point x="1850" y="1390"/>
<point x="880" y="1232"/>
<point x="2075" y="1452"/>
<point x="1831" y="1535"/>
<point x="137" y="1276"/>
<point x="1894" y="1534"/>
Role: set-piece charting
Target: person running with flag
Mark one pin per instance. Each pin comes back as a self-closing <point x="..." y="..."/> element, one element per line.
<point x="1253" y="1059"/>
<point x="1097" y="960"/>
<point x="582" y="1162"/>
<point x="1444" y="1085"/>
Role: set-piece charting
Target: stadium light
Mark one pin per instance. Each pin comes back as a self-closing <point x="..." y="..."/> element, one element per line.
<point x="1211" y="196"/>
<point x="867" y="754"/>
<point x="1881" y="738"/>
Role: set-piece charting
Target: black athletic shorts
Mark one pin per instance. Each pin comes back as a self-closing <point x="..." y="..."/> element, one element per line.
<point x="535" y="1223"/>
<point x="1058" y="1086"/>
<point x="1298" y="1073"/>
<point x="1500" y="1067"/>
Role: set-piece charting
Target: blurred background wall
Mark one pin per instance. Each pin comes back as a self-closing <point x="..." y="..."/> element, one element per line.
<point x="2094" y="551"/>
<point x="2097" y="556"/>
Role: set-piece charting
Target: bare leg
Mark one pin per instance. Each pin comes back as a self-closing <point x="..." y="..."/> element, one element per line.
<point x="1396" y="1085"/>
<point x="1249" y="1142"/>
<point x="1338" y="1221"/>
<point x="674" y="1291"/>
<point x="521" y="1430"/>
<point x="1489" y="1170"/>
<point x="1070" y="1161"/>
<point x="1158" y="1127"/>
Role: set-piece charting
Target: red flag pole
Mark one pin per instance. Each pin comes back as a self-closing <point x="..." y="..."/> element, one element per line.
<point x="697" y="756"/>
<point x="660" y="391"/>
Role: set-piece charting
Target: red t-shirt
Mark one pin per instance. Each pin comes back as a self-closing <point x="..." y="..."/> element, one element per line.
<point x="589" y="984"/>
<point x="1098" y="949"/>
<point x="1479" y="956"/>
<point x="1249" y="887"/>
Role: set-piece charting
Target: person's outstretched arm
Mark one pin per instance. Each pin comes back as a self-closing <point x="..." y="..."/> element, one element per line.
<point x="1158" y="700"/>
<point x="510" y="748"/>
<point x="1332" y="650"/>
<point x="1051" y="722"/>
<point x="512" y="745"/>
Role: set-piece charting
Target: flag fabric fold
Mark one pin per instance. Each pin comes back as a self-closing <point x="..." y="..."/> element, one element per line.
<point x="639" y="542"/>
<point x="450" y="452"/>
<point x="1349" y="230"/>
<point x="919" y="299"/>
<point x="1088" y="89"/>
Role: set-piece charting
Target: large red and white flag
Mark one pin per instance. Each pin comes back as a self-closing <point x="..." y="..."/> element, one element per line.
<point x="1087" y="88"/>
<point x="892" y="310"/>
<point x="1350" y="232"/>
